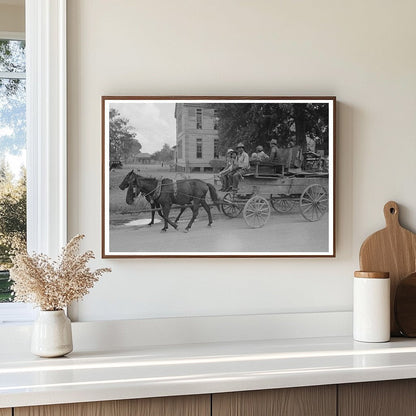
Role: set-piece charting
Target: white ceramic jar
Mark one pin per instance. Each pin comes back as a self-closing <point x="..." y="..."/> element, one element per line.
<point x="52" y="334"/>
<point x="371" y="310"/>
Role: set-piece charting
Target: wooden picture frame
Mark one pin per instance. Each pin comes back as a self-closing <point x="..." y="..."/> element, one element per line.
<point x="161" y="153"/>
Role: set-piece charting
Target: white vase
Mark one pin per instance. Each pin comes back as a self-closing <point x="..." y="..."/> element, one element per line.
<point x="52" y="334"/>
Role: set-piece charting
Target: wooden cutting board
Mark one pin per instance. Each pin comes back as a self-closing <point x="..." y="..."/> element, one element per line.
<point x="393" y="250"/>
<point x="405" y="306"/>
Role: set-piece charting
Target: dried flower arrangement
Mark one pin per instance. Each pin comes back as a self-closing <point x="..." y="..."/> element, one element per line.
<point x="53" y="285"/>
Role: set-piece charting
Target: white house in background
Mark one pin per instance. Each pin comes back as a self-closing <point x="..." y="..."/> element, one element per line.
<point x="197" y="140"/>
<point x="143" y="158"/>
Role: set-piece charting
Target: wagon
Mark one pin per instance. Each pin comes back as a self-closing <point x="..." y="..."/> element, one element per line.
<point x="260" y="192"/>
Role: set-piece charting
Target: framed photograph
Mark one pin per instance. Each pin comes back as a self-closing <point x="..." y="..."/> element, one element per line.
<point x="218" y="177"/>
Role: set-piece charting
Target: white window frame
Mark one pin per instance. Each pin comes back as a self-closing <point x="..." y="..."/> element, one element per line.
<point x="46" y="133"/>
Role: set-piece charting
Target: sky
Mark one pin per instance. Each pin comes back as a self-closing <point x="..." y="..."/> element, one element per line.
<point x="14" y="160"/>
<point x="154" y="123"/>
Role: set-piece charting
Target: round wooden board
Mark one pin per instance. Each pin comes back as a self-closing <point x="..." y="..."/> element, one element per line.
<point x="405" y="306"/>
<point x="393" y="250"/>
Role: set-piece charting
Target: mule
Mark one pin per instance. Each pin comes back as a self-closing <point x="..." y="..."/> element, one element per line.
<point x="183" y="192"/>
<point x="133" y="192"/>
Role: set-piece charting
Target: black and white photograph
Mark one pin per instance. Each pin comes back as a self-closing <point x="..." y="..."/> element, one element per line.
<point x="218" y="176"/>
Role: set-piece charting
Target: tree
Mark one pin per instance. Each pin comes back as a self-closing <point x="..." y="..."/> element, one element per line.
<point x="163" y="155"/>
<point x="12" y="213"/>
<point x="122" y="137"/>
<point x="257" y="123"/>
<point x="299" y="115"/>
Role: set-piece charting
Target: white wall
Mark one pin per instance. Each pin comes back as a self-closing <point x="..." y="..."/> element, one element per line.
<point x="363" y="52"/>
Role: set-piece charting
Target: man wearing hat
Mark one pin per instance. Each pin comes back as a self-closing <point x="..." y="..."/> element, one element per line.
<point x="242" y="166"/>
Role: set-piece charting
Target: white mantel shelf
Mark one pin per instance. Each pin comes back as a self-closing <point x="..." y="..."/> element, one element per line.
<point x="151" y="371"/>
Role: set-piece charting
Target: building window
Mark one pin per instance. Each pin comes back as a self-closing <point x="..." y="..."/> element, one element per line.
<point x="216" y="149"/>
<point x="216" y="119"/>
<point x="199" y="148"/>
<point x="12" y="155"/>
<point x="199" y="118"/>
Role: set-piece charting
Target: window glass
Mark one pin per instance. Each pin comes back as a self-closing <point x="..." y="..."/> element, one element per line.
<point x="199" y="118"/>
<point x="216" y="119"/>
<point x="12" y="155"/>
<point x="216" y="149"/>
<point x="12" y="55"/>
<point x="199" y="148"/>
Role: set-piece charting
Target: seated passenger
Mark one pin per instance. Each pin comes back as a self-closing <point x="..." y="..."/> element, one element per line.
<point x="259" y="155"/>
<point x="242" y="166"/>
<point x="280" y="156"/>
<point x="225" y="173"/>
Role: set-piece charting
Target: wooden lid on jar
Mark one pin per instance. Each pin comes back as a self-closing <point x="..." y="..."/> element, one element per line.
<point x="372" y="275"/>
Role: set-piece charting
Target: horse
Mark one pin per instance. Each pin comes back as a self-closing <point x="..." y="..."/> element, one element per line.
<point x="183" y="192"/>
<point x="133" y="192"/>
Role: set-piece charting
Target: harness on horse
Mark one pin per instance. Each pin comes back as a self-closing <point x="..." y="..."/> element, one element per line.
<point x="158" y="190"/>
<point x="164" y="182"/>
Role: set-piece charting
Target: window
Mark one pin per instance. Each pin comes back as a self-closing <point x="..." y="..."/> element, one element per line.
<point x="46" y="135"/>
<point x="216" y="119"/>
<point x="216" y="149"/>
<point x="12" y="154"/>
<point x="199" y="148"/>
<point x="199" y="118"/>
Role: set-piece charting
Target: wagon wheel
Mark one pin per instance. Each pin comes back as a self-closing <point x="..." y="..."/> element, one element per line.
<point x="282" y="205"/>
<point x="256" y="212"/>
<point x="230" y="206"/>
<point x="313" y="202"/>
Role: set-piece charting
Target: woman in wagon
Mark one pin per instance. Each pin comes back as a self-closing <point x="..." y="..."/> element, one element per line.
<point x="259" y="155"/>
<point x="242" y="166"/>
<point x="229" y="166"/>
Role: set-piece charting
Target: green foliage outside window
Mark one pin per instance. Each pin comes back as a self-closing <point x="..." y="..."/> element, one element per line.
<point x="12" y="223"/>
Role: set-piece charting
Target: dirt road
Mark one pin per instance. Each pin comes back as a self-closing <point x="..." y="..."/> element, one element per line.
<point x="283" y="233"/>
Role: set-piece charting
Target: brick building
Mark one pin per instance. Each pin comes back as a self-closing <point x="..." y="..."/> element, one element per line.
<point x="196" y="135"/>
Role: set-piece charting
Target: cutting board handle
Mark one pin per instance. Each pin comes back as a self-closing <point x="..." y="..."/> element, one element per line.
<point x="391" y="214"/>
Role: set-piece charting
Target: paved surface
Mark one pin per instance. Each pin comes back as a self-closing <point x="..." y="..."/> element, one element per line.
<point x="288" y="232"/>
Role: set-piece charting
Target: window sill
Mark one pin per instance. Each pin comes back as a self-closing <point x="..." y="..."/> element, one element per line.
<point x="16" y="313"/>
